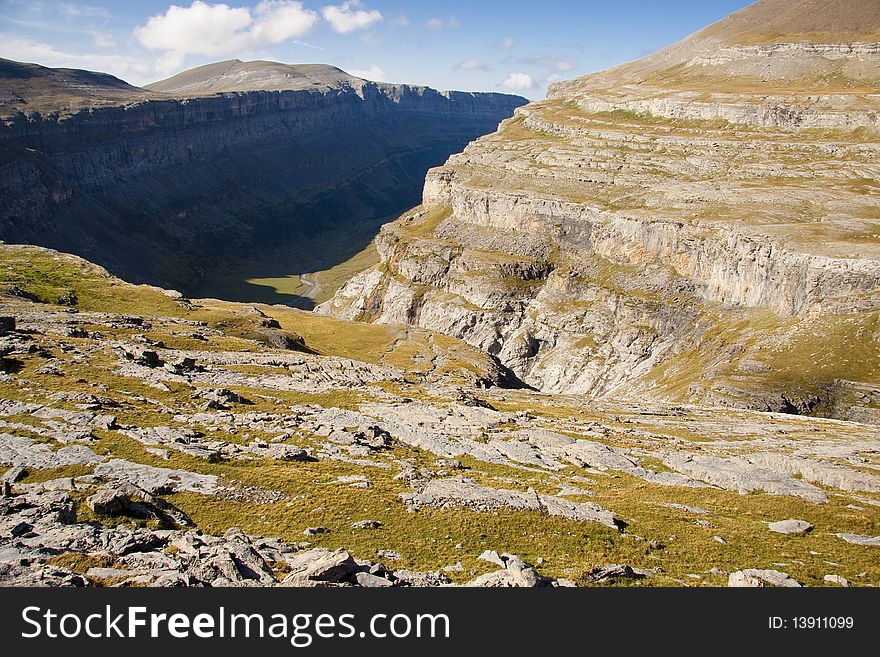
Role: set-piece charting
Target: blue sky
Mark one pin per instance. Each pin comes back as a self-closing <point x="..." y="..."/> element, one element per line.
<point x="517" y="46"/>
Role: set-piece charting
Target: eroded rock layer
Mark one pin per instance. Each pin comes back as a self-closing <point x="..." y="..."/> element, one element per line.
<point x="701" y="225"/>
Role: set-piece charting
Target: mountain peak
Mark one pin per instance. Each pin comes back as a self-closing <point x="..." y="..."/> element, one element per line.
<point x="236" y="75"/>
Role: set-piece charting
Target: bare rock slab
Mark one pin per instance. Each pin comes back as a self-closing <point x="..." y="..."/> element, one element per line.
<point x="752" y="577"/>
<point x="858" y="539"/>
<point x="790" y="527"/>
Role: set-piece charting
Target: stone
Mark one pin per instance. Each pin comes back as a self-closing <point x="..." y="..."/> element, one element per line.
<point x="420" y="580"/>
<point x="321" y="565"/>
<point x="15" y="474"/>
<point x="314" y="531"/>
<point x="7" y="324"/>
<point x="465" y="493"/>
<point x="757" y="578"/>
<point x="368" y="580"/>
<point x="157" y="480"/>
<point x="366" y="524"/>
<point x="248" y="561"/>
<point x="613" y="571"/>
<point x="790" y="527"/>
<point x="128" y="499"/>
<point x="20" y="529"/>
<point x="108" y="501"/>
<point x="515" y="573"/>
<point x="836" y="579"/>
<point x="859" y="539"/>
<point x="492" y="557"/>
<point x="288" y="453"/>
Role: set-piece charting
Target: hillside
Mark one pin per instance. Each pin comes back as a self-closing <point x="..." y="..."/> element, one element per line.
<point x="678" y="228"/>
<point x="33" y="88"/>
<point x="235" y="75"/>
<point x="155" y="440"/>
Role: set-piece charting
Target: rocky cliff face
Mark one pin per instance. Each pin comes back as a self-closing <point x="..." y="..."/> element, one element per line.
<point x="160" y="189"/>
<point x="699" y="226"/>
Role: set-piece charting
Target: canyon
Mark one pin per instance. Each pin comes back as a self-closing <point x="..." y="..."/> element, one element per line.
<point x="172" y="186"/>
<point x="629" y="338"/>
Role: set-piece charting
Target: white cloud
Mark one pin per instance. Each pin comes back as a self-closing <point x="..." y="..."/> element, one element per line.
<point x="507" y="43"/>
<point x="401" y="21"/>
<point x="103" y="40"/>
<point x="439" y="24"/>
<point x="218" y="29"/>
<point x="471" y="65"/>
<point x="373" y="73"/>
<point x="76" y="11"/>
<point x="560" y="64"/>
<point x="519" y="81"/>
<point x="347" y="17"/>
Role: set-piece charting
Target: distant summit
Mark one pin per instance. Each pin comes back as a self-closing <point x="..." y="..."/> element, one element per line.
<point x="236" y="75"/>
<point x="791" y="48"/>
<point x="35" y="88"/>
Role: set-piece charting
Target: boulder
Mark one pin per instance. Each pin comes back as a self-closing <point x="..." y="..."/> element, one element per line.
<point x="858" y="539"/>
<point x="757" y="578"/>
<point x="371" y="581"/>
<point x="790" y="527"/>
<point x="321" y="565"/>
<point x="612" y="571"/>
<point x="109" y="501"/>
<point x="366" y="524"/>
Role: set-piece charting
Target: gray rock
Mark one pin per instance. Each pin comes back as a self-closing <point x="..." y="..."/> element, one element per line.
<point x="756" y="578"/>
<point x="465" y="493"/>
<point x="289" y="453"/>
<point x="614" y="571"/>
<point x="108" y="501"/>
<point x="366" y="524"/>
<point x="157" y="480"/>
<point x="739" y="474"/>
<point x="858" y="539"/>
<point x="314" y="531"/>
<point x="24" y="452"/>
<point x="371" y="581"/>
<point x="420" y="580"/>
<point x="790" y="527"/>
<point x="492" y="557"/>
<point x="15" y="474"/>
<point x="515" y="573"/>
<point x="836" y="579"/>
<point x="320" y="565"/>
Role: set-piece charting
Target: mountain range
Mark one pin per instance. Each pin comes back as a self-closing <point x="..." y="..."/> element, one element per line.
<point x="630" y="336"/>
<point x="220" y="174"/>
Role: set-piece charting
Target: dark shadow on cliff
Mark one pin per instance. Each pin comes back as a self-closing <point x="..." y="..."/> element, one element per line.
<point x="233" y="222"/>
<point x="302" y="273"/>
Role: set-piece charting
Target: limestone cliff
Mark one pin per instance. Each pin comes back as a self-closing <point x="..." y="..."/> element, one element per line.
<point x="701" y="225"/>
<point x="162" y="186"/>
